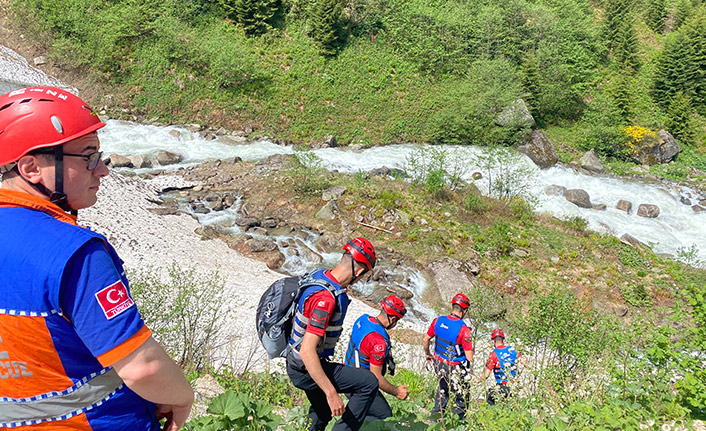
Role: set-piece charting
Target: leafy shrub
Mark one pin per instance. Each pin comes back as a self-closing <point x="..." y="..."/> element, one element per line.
<point x="307" y="173"/>
<point x="506" y="174"/>
<point x="435" y="169"/>
<point x="234" y="411"/>
<point x="184" y="313"/>
<point x="631" y="257"/>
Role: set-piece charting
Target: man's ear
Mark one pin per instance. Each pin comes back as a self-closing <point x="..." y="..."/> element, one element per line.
<point x="28" y="167"/>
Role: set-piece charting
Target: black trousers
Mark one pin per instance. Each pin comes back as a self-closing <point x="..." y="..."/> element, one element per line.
<point x="380" y="409"/>
<point x="450" y="386"/>
<point x="497" y="393"/>
<point x="361" y="384"/>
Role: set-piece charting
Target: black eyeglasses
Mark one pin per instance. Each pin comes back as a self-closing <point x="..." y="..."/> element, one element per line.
<point x="91" y="159"/>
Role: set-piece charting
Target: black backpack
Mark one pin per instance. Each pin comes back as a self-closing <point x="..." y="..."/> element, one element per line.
<point x="276" y="310"/>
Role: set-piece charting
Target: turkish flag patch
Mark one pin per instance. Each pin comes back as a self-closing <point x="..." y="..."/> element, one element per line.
<point x="114" y="299"/>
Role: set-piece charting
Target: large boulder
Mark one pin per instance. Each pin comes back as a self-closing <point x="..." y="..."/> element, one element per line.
<point x="139" y="161"/>
<point x="624" y="205"/>
<point x="554" y="190"/>
<point x="119" y="161"/>
<point x="591" y="163"/>
<point x="578" y="197"/>
<point x="648" y="210"/>
<point x="451" y="278"/>
<point x="656" y="148"/>
<point x="516" y="115"/>
<point x="167" y="157"/>
<point x="538" y="148"/>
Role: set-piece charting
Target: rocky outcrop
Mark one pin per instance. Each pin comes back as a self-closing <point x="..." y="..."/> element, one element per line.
<point x="450" y="277"/>
<point x="539" y="148"/>
<point x="167" y="158"/>
<point x="578" y="197"/>
<point x="656" y="148"/>
<point x="591" y="163"/>
<point x="516" y="115"/>
<point x="648" y="210"/>
<point x="334" y="192"/>
<point x="328" y="211"/>
<point x="119" y="161"/>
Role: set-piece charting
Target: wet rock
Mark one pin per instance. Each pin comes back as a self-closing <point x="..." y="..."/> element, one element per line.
<point x="539" y="148"/>
<point x="193" y="128"/>
<point x="685" y="200"/>
<point x="476" y="175"/>
<point x="590" y="162"/>
<point x="167" y="158"/>
<point x="516" y="115"/>
<point x="139" y="161"/>
<point x="377" y="274"/>
<point x="175" y="133"/>
<point x="307" y="252"/>
<point x="247" y="221"/>
<point x="119" y="161"/>
<point x="233" y="140"/>
<point x="280" y="231"/>
<point x="554" y="190"/>
<point x="257" y="230"/>
<point x="698" y="208"/>
<point x="334" y="192"/>
<point x="273" y="259"/>
<point x="578" y="197"/>
<point x="328" y="211"/>
<point x="378" y="172"/>
<point x="648" y="210"/>
<point x="328" y="243"/>
<point x="395" y="289"/>
<point x="600" y="207"/>
<point x="258" y="245"/>
<point x="623" y="205"/>
<point x="632" y="241"/>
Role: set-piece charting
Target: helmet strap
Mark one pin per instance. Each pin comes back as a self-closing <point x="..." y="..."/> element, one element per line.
<point x="57" y="196"/>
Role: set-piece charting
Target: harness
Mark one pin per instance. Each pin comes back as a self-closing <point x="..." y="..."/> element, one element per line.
<point x="506" y="369"/>
<point x="446" y="333"/>
<point x="361" y="328"/>
<point x="316" y="283"/>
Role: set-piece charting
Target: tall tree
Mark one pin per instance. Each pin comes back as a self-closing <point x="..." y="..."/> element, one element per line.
<point x="656" y="14"/>
<point x="253" y="15"/>
<point x="326" y="25"/>
<point x="620" y="31"/>
<point x="679" y="118"/>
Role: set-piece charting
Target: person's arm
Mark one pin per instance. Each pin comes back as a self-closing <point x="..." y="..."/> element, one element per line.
<point x="154" y="376"/>
<point x="400" y="392"/>
<point x="485" y="375"/>
<point x="425" y="344"/>
<point x="312" y="363"/>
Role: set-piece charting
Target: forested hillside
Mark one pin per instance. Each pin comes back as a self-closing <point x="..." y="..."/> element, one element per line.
<point x="386" y="71"/>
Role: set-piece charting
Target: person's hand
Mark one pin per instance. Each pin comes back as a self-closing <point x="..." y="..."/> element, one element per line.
<point x="176" y="415"/>
<point x="429" y="358"/>
<point x="335" y="403"/>
<point x="402" y="392"/>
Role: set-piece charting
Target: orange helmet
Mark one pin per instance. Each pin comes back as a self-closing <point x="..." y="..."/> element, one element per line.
<point x="40" y="117"/>
<point x="394" y="306"/>
<point x="497" y="332"/>
<point x="461" y="300"/>
<point x="362" y="251"/>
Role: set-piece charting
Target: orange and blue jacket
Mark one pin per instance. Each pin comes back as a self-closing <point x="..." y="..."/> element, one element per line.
<point x="65" y="317"/>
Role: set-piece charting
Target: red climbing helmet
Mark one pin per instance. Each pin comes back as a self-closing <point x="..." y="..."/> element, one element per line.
<point x="497" y="332"/>
<point x="362" y="251"/>
<point x="394" y="306"/>
<point x="461" y="300"/>
<point x="39" y="117"/>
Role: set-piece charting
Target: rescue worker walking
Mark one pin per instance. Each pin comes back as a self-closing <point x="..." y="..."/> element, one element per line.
<point x="75" y="351"/>
<point x="318" y="322"/>
<point x="369" y="348"/>
<point x="453" y="351"/>
<point x="502" y="362"/>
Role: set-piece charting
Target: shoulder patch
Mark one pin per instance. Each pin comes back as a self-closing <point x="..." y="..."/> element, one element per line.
<point x="114" y="299"/>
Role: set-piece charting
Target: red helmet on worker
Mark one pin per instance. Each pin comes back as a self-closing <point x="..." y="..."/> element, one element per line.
<point x="461" y="300"/>
<point x="41" y="117"/>
<point x="497" y="332"/>
<point x="362" y="252"/>
<point x="394" y="306"/>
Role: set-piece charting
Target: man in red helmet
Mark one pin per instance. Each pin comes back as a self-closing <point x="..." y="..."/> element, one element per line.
<point x="75" y="350"/>
<point x="503" y="363"/>
<point x="369" y="348"/>
<point x="317" y="325"/>
<point x="453" y="351"/>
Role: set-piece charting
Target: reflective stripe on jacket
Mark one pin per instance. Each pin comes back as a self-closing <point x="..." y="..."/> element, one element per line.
<point x="335" y="323"/>
<point x="361" y="328"/>
<point x="446" y="333"/>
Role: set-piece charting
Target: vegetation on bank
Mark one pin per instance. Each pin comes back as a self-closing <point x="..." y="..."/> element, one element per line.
<point x="386" y="71"/>
<point x="615" y="334"/>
